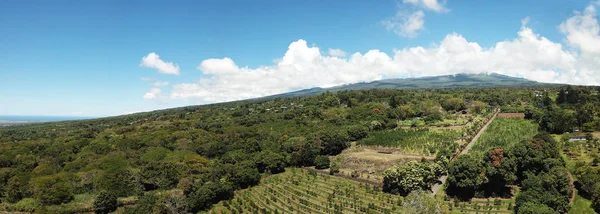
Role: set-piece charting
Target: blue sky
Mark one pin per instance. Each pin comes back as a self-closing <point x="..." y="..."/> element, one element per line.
<point x="84" y="58"/>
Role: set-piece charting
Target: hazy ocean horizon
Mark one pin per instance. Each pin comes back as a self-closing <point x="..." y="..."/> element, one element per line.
<point x="15" y="118"/>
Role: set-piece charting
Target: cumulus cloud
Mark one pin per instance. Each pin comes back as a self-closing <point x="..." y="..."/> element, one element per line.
<point x="528" y="55"/>
<point x="337" y="52"/>
<point x="433" y="5"/>
<point x="152" y="94"/>
<point x="152" y="60"/>
<point x="406" y="24"/>
<point x="582" y="30"/>
<point x="159" y="83"/>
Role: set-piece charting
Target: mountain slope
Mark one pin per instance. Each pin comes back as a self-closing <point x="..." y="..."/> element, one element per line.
<point x="448" y="81"/>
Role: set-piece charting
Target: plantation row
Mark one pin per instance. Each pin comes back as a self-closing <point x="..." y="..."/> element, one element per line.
<point x="504" y="132"/>
<point x="419" y="141"/>
<point x="303" y="191"/>
<point x="478" y="205"/>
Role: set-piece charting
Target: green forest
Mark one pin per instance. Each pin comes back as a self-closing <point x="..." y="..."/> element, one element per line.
<point x="198" y="158"/>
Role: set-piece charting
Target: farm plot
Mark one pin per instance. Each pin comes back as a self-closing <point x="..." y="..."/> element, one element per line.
<point x="504" y="132"/>
<point x="414" y="141"/>
<point x="369" y="162"/>
<point x="303" y="191"/>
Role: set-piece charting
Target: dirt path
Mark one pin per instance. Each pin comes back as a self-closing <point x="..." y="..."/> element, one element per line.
<point x="438" y="186"/>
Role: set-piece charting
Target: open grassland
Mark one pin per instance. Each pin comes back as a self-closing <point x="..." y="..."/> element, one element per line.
<point x="504" y="132"/>
<point x="413" y="141"/>
<point x="303" y="191"/>
<point x="369" y="162"/>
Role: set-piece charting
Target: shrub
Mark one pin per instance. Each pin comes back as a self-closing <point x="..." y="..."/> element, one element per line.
<point x="321" y="162"/>
<point x="26" y="205"/>
<point x="52" y="190"/>
<point x="105" y="203"/>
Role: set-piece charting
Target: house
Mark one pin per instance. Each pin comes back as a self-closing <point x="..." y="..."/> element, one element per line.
<point x="577" y="138"/>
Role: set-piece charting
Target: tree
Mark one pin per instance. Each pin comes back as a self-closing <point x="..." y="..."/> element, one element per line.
<point x="551" y="188"/>
<point x="533" y="208"/>
<point x="393" y="102"/>
<point x="357" y="132"/>
<point x="269" y="161"/>
<point x="465" y="175"/>
<point x="52" y="189"/>
<point x="500" y="170"/>
<point x="332" y="141"/>
<point x="478" y="106"/>
<point x="405" y="178"/>
<point x="322" y="162"/>
<point x="454" y="104"/>
<point x="145" y="204"/>
<point x="200" y="199"/>
<point x="171" y="203"/>
<point x="105" y="203"/>
<point x="18" y="187"/>
<point x="159" y="175"/>
<point x="420" y="202"/>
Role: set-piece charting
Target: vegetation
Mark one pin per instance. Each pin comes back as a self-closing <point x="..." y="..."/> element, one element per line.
<point x="305" y="191"/>
<point x="105" y="203"/>
<point x="534" y="164"/>
<point x="429" y="142"/>
<point x="503" y="133"/>
<point x="188" y="159"/>
<point x="406" y="178"/>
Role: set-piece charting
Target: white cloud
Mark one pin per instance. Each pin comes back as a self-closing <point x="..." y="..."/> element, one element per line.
<point x="406" y="24"/>
<point x="582" y="31"/>
<point x="529" y="55"/>
<point x="159" y="83"/>
<point x="433" y="5"/>
<point x="337" y="52"/>
<point x="147" y="79"/>
<point x="152" y="60"/>
<point x="152" y="94"/>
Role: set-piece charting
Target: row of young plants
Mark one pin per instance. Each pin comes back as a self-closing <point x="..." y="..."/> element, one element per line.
<point x="503" y="133"/>
<point x="419" y="141"/>
<point x="304" y="191"/>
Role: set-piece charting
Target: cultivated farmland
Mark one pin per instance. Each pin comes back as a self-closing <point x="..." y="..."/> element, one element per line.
<point x="304" y="191"/>
<point x="504" y="132"/>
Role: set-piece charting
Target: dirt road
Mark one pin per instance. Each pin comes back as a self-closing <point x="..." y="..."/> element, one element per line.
<point x="438" y="186"/>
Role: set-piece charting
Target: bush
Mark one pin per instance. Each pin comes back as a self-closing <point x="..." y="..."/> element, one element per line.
<point x="321" y="162"/>
<point x="357" y="132"/>
<point x="26" y="205"/>
<point x="105" y="203"/>
<point x="52" y="190"/>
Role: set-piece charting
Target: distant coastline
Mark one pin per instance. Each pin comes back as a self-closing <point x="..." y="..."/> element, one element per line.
<point x="9" y="120"/>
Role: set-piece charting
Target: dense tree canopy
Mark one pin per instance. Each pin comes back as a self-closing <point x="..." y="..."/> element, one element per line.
<point x="211" y="150"/>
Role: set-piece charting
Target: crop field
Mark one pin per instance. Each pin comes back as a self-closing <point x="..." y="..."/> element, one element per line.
<point x="304" y="191"/>
<point x="478" y="205"/>
<point x="503" y="132"/>
<point x="413" y="141"/>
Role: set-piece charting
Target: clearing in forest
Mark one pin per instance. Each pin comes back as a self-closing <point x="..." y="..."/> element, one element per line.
<point x="504" y="132"/>
<point x="413" y="141"/>
<point x="369" y="162"/>
<point x="303" y="191"/>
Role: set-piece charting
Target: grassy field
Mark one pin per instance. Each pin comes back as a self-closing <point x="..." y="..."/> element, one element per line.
<point x="503" y="132"/>
<point x="371" y="161"/>
<point x="413" y="141"/>
<point x="303" y="191"/>
<point x="581" y="205"/>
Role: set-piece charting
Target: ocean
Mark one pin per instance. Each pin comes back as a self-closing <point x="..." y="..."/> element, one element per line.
<point x="29" y="119"/>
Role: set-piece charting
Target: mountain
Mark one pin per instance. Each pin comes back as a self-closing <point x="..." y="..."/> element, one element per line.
<point x="447" y="81"/>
